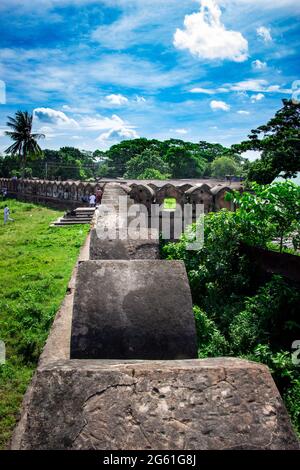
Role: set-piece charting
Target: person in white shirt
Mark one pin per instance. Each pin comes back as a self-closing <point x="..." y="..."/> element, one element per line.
<point x="7" y="214"/>
<point x="92" y="200"/>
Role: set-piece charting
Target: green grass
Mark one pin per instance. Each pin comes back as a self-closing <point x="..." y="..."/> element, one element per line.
<point x="36" y="262"/>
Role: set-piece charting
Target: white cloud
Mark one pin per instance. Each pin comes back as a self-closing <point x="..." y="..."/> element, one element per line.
<point x="264" y="33"/>
<point x="249" y="85"/>
<point x="205" y="36"/>
<point x="51" y="116"/>
<point x="118" y="134"/>
<point x="216" y="105"/>
<point x="181" y="131"/>
<point x="257" y="97"/>
<point x="243" y="113"/>
<point x="56" y="123"/>
<point x="117" y="99"/>
<point x="202" y="90"/>
<point x="259" y="65"/>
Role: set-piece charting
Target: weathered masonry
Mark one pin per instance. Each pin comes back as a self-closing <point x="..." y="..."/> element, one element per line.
<point x="120" y="367"/>
<point x="70" y="194"/>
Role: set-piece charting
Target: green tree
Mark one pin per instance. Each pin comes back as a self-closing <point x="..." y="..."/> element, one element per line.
<point x="149" y="159"/>
<point x="279" y="144"/>
<point x="223" y="166"/>
<point x="152" y="174"/>
<point x="120" y="154"/>
<point x="184" y="163"/>
<point x="25" y="141"/>
<point x="270" y="211"/>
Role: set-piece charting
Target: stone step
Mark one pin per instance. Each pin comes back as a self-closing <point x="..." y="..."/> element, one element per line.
<point x="73" y="222"/>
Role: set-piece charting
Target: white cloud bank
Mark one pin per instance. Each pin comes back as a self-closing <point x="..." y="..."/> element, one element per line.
<point x="112" y="128"/>
<point x="219" y="105"/>
<point x="56" y="118"/>
<point x="206" y="37"/>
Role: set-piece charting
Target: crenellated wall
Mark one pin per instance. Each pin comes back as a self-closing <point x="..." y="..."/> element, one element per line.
<point x="64" y="194"/>
<point x="71" y="194"/>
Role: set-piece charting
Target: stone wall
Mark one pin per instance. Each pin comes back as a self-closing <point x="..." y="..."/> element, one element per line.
<point x="65" y="194"/>
<point x="70" y="194"/>
<point x="103" y="381"/>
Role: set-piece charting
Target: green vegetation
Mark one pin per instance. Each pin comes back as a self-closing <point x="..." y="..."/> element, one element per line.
<point x="25" y="141"/>
<point x="278" y="141"/>
<point x="137" y="159"/>
<point x="277" y="206"/>
<point x="36" y="262"/>
<point x="239" y="313"/>
<point x="224" y="166"/>
<point x="279" y="144"/>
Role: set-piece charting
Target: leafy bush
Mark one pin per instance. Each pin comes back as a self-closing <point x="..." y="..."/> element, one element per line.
<point x="211" y="342"/>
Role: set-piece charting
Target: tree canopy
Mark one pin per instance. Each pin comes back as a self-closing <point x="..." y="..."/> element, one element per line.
<point x="279" y="144"/>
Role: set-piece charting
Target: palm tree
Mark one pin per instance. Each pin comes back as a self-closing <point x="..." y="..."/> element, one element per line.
<point x="25" y="141"/>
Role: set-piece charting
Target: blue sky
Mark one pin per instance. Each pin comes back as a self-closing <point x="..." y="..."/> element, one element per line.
<point x="97" y="72"/>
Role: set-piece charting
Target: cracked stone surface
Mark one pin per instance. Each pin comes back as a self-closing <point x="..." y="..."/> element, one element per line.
<point x="194" y="404"/>
<point x="123" y="249"/>
<point x="137" y="309"/>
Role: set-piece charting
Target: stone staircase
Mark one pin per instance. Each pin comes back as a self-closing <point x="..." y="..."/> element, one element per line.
<point x="111" y="194"/>
<point x="81" y="215"/>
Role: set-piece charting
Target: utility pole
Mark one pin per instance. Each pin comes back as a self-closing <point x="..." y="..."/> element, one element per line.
<point x="46" y="170"/>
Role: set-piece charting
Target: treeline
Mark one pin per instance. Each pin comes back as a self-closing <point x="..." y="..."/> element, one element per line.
<point x="138" y="158"/>
<point x="278" y="142"/>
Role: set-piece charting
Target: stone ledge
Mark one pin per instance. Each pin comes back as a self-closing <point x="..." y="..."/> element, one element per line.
<point x="221" y="403"/>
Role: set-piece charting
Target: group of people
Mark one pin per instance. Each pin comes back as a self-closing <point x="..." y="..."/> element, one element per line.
<point x="95" y="199"/>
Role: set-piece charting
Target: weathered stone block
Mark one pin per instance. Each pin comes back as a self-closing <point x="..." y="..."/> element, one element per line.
<point x="123" y="249"/>
<point x="195" y="404"/>
<point x="138" y="309"/>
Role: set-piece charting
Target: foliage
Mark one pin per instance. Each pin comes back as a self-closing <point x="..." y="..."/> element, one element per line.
<point x="279" y="144"/>
<point x="148" y="160"/>
<point x="151" y="174"/>
<point x="277" y="205"/>
<point x="184" y="163"/>
<point x="211" y="342"/>
<point x="25" y="141"/>
<point x="183" y="159"/>
<point x="36" y="263"/>
<point x="237" y="313"/>
<point x="224" y="166"/>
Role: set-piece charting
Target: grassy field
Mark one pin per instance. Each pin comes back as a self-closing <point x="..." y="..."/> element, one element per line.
<point x="36" y="262"/>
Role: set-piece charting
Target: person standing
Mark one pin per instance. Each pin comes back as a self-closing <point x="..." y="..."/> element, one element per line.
<point x="7" y="217"/>
<point x="98" y="195"/>
<point x="92" y="200"/>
